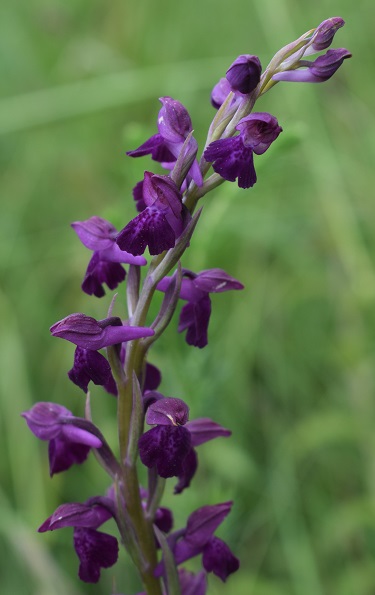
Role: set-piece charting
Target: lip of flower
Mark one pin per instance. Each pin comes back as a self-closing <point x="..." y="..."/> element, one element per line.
<point x="89" y="333"/>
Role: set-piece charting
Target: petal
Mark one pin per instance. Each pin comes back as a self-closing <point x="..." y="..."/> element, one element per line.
<point x="195" y="318"/>
<point x="258" y="131"/>
<point x="192" y="584"/>
<point x="166" y="448"/>
<point x="231" y="160"/>
<point x="99" y="272"/>
<point x="95" y="233"/>
<point x="174" y="123"/>
<point x="44" y="419"/>
<point x="154" y="146"/>
<point x="168" y="411"/>
<point x="216" y="281"/>
<point x="218" y="558"/>
<point x="63" y="454"/>
<point x="204" y="429"/>
<point x="150" y="228"/>
<point x="325" y="33"/>
<point x="152" y="378"/>
<point x="203" y="522"/>
<point x="244" y="74"/>
<point x="189" y="468"/>
<point x="91" y="365"/>
<point x="76" y="515"/>
<point x="164" y="519"/>
<point x="95" y="550"/>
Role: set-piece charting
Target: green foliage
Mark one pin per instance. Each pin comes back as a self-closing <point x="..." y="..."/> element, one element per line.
<point x="290" y="362"/>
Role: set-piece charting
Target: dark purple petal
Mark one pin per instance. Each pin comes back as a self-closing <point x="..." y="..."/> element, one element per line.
<point x="189" y="468"/>
<point x="138" y="197"/>
<point x="244" y="74"/>
<point x="168" y="411"/>
<point x="161" y="192"/>
<point x="154" y="146"/>
<point x="192" y="584"/>
<point x="76" y="515"/>
<point x="164" y="519"/>
<point x="63" y="454"/>
<point x="150" y="228"/>
<point x="95" y="550"/>
<point x="203" y="522"/>
<point x="152" y="378"/>
<point x="325" y="33"/>
<point x="99" y="272"/>
<point x="174" y="122"/>
<point x="204" y="429"/>
<point x="95" y="233"/>
<point x="166" y="448"/>
<point x="91" y="365"/>
<point x="231" y="159"/>
<point x="216" y="281"/>
<point x="89" y="333"/>
<point x="258" y="131"/>
<point x="218" y="558"/>
<point x="195" y="318"/>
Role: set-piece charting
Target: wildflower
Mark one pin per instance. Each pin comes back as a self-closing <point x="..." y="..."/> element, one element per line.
<point x="70" y="438"/>
<point x="324" y="34"/>
<point x="318" y="71"/>
<point x="169" y="446"/>
<point x="99" y="235"/>
<point x="95" y="550"/>
<point x="195" y="289"/>
<point x="233" y="157"/>
<point x="88" y="333"/>
<point x="198" y="538"/>
<point x="160" y="223"/>
<point x="174" y="125"/>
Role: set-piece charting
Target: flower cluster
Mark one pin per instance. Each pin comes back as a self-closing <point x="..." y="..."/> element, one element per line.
<point x="164" y="226"/>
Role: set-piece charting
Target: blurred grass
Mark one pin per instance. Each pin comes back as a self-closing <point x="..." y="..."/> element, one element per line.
<point x="290" y="363"/>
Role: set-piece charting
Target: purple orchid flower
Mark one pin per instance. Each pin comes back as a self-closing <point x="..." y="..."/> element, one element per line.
<point x="99" y="235"/>
<point x="159" y="224"/>
<point x="198" y="538"/>
<point x="318" y="71"/>
<point x="233" y="157"/>
<point x="88" y="333"/>
<point x="169" y="446"/>
<point x="70" y="438"/>
<point x="174" y="125"/>
<point x="95" y="550"/>
<point x="195" y="289"/>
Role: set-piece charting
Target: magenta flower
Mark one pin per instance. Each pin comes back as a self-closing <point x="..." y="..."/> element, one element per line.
<point x="198" y="538"/>
<point x="233" y="157"/>
<point x="70" y="438"/>
<point x="99" y="235"/>
<point x="95" y="550"/>
<point x="195" y="289"/>
<point x="160" y="223"/>
<point x="169" y="446"/>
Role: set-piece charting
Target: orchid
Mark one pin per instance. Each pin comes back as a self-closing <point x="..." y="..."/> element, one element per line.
<point x="169" y="210"/>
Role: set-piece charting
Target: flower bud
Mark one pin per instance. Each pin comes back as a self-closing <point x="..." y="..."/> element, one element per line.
<point x="244" y="74"/>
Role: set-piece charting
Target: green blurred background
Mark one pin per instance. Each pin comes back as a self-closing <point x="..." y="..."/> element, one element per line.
<point x="290" y="362"/>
